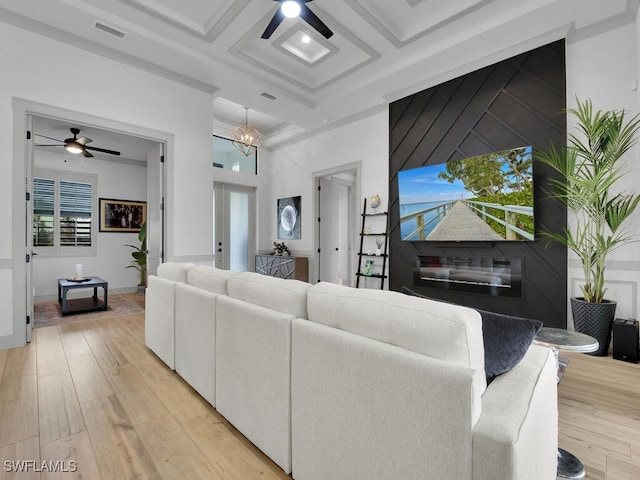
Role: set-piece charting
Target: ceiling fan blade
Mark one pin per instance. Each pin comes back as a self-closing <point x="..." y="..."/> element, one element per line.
<point x="49" y="138"/>
<point x="102" y="150"/>
<point x="273" y="24"/>
<point x="84" y="140"/>
<point x="47" y="145"/>
<point x="311" y="18"/>
<point x="86" y="154"/>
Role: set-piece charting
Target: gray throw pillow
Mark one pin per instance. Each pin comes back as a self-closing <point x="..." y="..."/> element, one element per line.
<point x="506" y="338"/>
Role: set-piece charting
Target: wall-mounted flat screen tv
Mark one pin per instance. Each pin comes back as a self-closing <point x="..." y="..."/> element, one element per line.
<point x="483" y="198"/>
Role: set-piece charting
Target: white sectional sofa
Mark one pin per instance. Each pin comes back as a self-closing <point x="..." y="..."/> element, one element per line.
<point x="338" y="383"/>
<point x="159" y="319"/>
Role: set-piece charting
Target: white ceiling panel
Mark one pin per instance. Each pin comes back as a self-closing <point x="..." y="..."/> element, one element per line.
<point x="197" y="15"/>
<point x="379" y="48"/>
<point x="203" y="18"/>
<point x="409" y="19"/>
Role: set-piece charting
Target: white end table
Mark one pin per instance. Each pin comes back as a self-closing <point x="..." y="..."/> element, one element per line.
<point x="559" y="339"/>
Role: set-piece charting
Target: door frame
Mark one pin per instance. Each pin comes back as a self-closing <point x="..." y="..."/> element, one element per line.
<point x="23" y="110"/>
<point x="314" y="267"/>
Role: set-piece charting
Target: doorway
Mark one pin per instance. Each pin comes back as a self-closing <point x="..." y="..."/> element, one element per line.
<point x="24" y="115"/>
<point x="336" y="211"/>
<point x="234" y="230"/>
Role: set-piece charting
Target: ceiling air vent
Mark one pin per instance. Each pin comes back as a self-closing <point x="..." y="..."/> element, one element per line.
<point x="268" y="95"/>
<point x="110" y="30"/>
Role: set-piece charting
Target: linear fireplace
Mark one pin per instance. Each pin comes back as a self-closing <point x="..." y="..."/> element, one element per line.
<point x="501" y="277"/>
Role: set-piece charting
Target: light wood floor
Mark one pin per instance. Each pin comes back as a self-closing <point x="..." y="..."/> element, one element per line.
<point x="599" y="416"/>
<point x="92" y="393"/>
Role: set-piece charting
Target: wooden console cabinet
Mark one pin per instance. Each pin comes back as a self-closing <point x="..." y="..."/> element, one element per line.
<point x="283" y="267"/>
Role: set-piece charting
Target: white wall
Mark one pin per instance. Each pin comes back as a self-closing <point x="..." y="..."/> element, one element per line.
<point x="117" y="179"/>
<point x="288" y="172"/>
<point x="603" y="68"/>
<point x="36" y="69"/>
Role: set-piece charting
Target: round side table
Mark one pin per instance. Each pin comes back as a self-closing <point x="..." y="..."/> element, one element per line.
<point x="569" y="467"/>
<point x="561" y="339"/>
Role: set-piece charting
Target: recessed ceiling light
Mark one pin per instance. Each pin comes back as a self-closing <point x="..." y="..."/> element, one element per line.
<point x="290" y="9"/>
<point x="307" y="47"/>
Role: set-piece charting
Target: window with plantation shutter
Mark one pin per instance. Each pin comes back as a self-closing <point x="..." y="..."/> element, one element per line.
<point x="63" y="214"/>
<point x="75" y="214"/>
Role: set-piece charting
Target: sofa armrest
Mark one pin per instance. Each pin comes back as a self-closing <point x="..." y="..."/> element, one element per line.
<point x="516" y="437"/>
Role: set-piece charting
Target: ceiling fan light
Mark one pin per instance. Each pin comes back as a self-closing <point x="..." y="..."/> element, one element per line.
<point x="74" y="147"/>
<point x="290" y="9"/>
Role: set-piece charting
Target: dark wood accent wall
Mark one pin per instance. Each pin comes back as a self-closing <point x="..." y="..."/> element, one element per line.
<point x="513" y="103"/>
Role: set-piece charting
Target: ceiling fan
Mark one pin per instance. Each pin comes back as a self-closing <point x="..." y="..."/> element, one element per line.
<point x="292" y="9"/>
<point x="76" y="145"/>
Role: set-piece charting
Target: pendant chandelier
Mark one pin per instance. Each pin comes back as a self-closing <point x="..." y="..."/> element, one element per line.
<point x="245" y="137"/>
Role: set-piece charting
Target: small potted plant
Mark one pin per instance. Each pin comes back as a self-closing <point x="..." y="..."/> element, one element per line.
<point x="139" y="255"/>
<point x="590" y="171"/>
<point x="379" y="245"/>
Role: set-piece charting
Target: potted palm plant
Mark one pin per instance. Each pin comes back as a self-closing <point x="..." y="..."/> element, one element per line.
<point x="139" y="255"/>
<point x="589" y="171"/>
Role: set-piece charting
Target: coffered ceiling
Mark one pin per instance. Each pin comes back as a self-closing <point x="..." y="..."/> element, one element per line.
<point x="381" y="50"/>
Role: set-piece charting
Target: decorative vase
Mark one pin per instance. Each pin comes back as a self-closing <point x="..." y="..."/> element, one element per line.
<point x="595" y="319"/>
<point x="374" y="201"/>
<point x="378" y="251"/>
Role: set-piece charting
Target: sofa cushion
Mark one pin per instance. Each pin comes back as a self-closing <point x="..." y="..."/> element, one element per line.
<point x="447" y="332"/>
<point x="286" y="296"/>
<point x="506" y="339"/>
<point x="174" y="271"/>
<point x="209" y="278"/>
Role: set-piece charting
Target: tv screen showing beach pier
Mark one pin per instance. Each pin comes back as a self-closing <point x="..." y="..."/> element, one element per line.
<point x="483" y="198"/>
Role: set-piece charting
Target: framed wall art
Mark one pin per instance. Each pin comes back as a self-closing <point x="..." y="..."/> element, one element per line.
<point x="289" y="217"/>
<point x="125" y="216"/>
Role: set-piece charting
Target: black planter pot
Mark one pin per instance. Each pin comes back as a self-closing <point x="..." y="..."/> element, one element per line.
<point x="595" y="319"/>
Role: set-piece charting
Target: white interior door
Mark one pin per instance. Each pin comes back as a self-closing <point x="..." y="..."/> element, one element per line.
<point x="155" y="208"/>
<point x="234" y="231"/>
<point x="328" y="225"/>
<point x="335" y="248"/>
